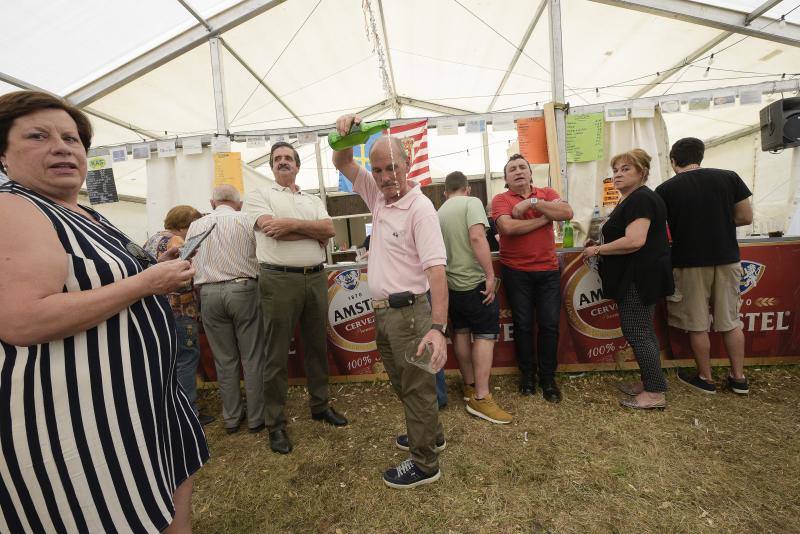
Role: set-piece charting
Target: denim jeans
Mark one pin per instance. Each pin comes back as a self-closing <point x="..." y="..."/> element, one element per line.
<point x="536" y="295"/>
<point x="441" y="385"/>
<point x="188" y="357"/>
<point x="441" y="389"/>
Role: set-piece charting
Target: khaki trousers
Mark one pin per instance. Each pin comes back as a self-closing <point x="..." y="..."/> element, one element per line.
<point x="286" y="299"/>
<point x="416" y="388"/>
<point x="232" y="321"/>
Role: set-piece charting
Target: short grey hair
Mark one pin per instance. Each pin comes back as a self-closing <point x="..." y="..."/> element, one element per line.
<point x="226" y="192"/>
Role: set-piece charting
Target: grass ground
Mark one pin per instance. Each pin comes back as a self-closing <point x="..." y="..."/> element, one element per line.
<point x="707" y="463"/>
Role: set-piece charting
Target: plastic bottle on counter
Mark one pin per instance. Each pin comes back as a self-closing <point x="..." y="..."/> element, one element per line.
<point x="358" y="135"/>
<point x="595" y="224"/>
<point x="568" y="240"/>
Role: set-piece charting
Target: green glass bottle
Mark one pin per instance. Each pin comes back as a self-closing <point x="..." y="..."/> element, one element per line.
<point x="569" y="239"/>
<point x="358" y="135"/>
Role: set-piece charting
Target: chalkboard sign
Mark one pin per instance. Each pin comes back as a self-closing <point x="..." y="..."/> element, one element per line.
<point x="100" y="181"/>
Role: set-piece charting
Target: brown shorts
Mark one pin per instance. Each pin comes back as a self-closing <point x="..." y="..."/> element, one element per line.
<point x="699" y="288"/>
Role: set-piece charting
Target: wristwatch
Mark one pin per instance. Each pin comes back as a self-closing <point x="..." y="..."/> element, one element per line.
<point x="440" y="327"/>
<point x="534" y="200"/>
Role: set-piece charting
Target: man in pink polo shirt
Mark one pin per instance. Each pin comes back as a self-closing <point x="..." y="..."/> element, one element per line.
<point x="524" y="215"/>
<point x="406" y="259"/>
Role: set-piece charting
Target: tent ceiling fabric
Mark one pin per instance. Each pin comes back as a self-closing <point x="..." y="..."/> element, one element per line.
<point x="85" y="39"/>
<point x="316" y="57"/>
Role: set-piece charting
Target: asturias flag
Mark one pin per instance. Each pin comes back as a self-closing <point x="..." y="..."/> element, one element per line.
<point x="360" y="156"/>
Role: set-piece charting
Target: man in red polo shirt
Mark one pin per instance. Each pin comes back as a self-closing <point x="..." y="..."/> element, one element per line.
<point x="524" y="215"/>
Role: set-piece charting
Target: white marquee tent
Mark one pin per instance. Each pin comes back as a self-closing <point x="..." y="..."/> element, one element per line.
<point x="168" y="69"/>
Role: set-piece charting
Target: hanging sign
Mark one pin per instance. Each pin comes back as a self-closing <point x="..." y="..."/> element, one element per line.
<point x="192" y="145"/>
<point x="614" y="114"/>
<point x="584" y="137"/>
<point x="447" y="127"/>
<point x="228" y="169"/>
<point x="670" y="106"/>
<point x="221" y="143"/>
<point x="141" y="151"/>
<point x="502" y="122"/>
<point x="532" y="137"/>
<point x="256" y="141"/>
<point x="118" y="154"/>
<point x="166" y="149"/>
<point x="100" y="181"/>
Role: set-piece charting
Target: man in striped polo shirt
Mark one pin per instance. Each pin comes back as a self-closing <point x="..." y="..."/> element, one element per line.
<point x="227" y="273"/>
<point x="292" y="229"/>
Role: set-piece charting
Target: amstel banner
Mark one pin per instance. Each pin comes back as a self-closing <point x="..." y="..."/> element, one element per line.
<point x="589" y="336"/>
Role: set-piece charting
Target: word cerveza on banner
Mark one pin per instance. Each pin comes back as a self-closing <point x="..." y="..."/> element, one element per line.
<point x="351" y="323"/>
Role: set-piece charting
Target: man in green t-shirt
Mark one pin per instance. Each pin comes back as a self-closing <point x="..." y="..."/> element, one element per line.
<point x="473" y="309"/>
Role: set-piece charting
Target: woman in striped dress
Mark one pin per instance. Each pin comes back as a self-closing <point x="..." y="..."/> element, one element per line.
<point x="95" y="434"/>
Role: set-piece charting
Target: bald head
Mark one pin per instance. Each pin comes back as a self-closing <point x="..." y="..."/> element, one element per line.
<point x="389" y="146"/>
<point x="227" y="195"/>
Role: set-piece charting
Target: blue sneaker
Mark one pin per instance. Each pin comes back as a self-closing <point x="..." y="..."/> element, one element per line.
<point x="402" y="443"/>
<point x="407" y="475"/>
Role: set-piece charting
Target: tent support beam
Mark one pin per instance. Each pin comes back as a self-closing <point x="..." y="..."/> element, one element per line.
<point x="170" y="49"/>
<point x="196" y="15"/>
<point x="760" y="10"/>
<point x="518" y="53"/>
<point x="733" y="136"/>
<point x="394" y="102"/>
<point x="672" y="71"/>
<point x="430" y="106"/>
<point x="375" y="108"/>
<point x="253" y="73"/>
<point x="767" y="88"/>
<point x="16" y="82"/>
<point x="763" y="8"/>
<point x="487" y="164"/>
<point x="241" y="61"/>
<point x="557" y="88"/>
<point x="714" y="17"/>
<point x="220" y="108"/>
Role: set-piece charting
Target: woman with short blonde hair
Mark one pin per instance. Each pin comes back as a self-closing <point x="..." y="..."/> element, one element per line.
<point x="636" y="271"/>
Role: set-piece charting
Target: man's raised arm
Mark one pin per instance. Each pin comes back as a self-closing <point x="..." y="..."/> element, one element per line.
<point x="343" y="159"/>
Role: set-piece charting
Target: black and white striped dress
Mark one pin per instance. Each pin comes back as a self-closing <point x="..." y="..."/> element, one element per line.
<point x="95" y="434"/>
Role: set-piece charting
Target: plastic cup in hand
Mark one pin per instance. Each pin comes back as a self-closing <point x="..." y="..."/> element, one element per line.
<point x="423" y="360"/>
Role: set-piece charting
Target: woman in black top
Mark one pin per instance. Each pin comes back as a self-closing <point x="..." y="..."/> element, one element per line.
<point x="636" y="272"/>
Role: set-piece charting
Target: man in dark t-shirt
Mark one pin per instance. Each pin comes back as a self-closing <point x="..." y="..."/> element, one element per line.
<point x="704" y="207"/>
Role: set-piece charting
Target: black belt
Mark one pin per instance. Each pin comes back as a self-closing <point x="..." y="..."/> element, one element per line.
<point x="299" y="270"/>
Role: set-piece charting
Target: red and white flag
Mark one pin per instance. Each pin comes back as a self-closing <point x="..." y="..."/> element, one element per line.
<point x="414" y="136"/>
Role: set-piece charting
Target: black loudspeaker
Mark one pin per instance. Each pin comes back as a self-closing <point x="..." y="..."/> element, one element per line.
<point x="780" y="124"/>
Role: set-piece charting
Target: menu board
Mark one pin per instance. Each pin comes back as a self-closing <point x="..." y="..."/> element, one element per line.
<point x="228" y="169"/>
<point x="584" y="137"/>
<point x="532" y="137"/>
<point x="100" y="181"/>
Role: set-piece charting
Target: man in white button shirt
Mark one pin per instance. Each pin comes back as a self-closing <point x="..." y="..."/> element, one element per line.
<point x="292" y="229"/>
